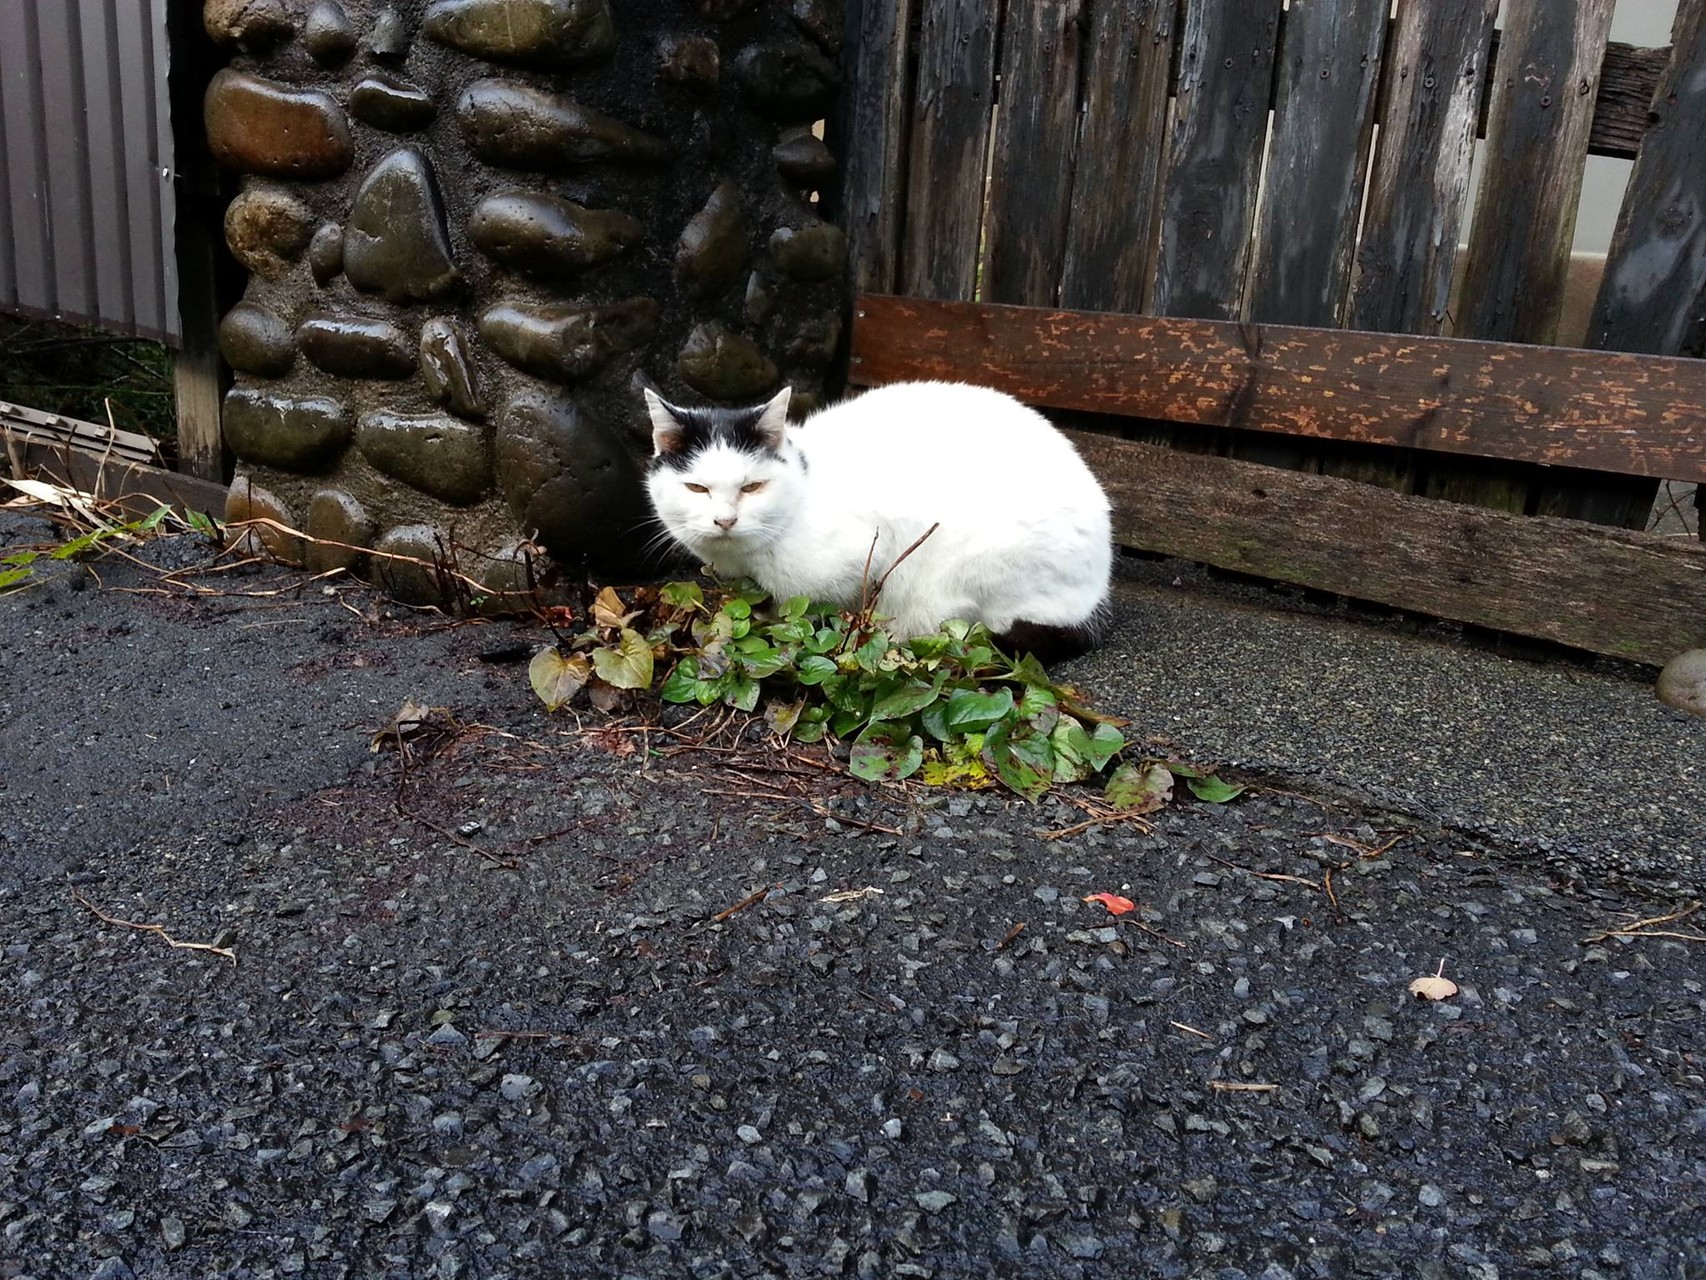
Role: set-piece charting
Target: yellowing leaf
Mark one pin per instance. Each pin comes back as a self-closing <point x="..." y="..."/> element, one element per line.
<point x="1141" y="787"/>
<point x="1116" y="905"/>
<point x="607" y="610"/>
<point x="627" y="664"/>
<point x="555" y="678"/>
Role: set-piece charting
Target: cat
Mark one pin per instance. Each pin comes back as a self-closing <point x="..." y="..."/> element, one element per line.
<point x="1023" y="540"/>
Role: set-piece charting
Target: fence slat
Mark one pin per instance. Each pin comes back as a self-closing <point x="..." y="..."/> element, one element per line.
<point x="25" y="156"/>
<point x="951" y="121"/>
<point x="1601" y="411"/>
<point x="1612" y="591"/>
<point x="1328" y="69"/>
<point x="870" y="134"/>
<point x="1110" y="240"/>
<point x="1655" y="271"/>
<point x="1208" y="200"/>
<point x="1420" y="186"/>
<point x="1035" y="134"/>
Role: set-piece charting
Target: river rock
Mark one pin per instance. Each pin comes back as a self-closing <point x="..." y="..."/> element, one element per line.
<point x="415" y="579"/>
<point x="538" y="32"/>
<point x="547" y="236"/>
<point x="803" y="159"/>
<point x="391" y="103"/>
<point x="446" y="369"/>
<point x="788" y="80"/>
<point x="326" y="253"/>
<point x="690" y="60"/>
<point x="329" y="35"/>
<point x="334" y="517"/>
<point x="352" y="347"/>
<point x="566" y="342"/>
<point x="723" y="10"/>
<point x="823" y="20"/>
<point x="294" y="433"/>
<point x="812" y="344"/>
<point x="254" y="26"/>
<point x="567" y="477"/>
<point x="507" y="576"/>
<point x="724" y="365"/>
<point x="814" y="254"/>
<point x="433" y="452"/>
<point x="760" y="301"/>
<point x="396" y="244"/>
<point x="256" y="340"/>
<point x="388" y="38"/>
<point x="267" y="229"/>
<point x="260" y="126"/>
<point x="1682" y="684"/>
<point x="520" y="127"/>
<point x="246" y="500"/>
<point x="712" y="252"/>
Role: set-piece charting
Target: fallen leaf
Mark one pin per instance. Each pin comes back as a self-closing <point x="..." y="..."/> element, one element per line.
<point x="556" y="678"/>
<point x="607" y="610"/>
<point x="1434" y="987"/>
<point x="1139" y="788"/>
<point x="410" y="720"/>
<point x="1115" y="904"/>
<point x="852" y="895"/>
<point x="628" y="664"/>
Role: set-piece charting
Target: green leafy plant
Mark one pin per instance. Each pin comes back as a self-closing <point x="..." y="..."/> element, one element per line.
<point x="949" y="709"/>
<point x="98" y="529"/>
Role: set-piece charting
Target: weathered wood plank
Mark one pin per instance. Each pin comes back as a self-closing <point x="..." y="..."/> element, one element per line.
<point x="869" y="129"/>
<point x="1328" y="68"/>
<point x="951" y="120"/>
<point x="1419" y="189"/>
<point x="1525" y="215"/>
<point x="1030" y="183"/>
<point x="1611" y="591"/>
<point x="1655" y="270"/>
<point x="1208" y="200"/>
<point x="1110" y="240"/>
<point x="1627" y="79"/>
<point x="139" y="488"/>
<point x="1603" y="411"/>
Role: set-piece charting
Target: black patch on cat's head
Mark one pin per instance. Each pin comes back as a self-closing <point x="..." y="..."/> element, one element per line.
<point x="681" y="432"/>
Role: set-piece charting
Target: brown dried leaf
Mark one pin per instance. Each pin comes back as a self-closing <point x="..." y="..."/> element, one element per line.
<point x="1435" y="987"/>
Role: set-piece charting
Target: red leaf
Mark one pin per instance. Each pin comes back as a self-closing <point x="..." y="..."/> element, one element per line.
<point x="1116" y="905"/>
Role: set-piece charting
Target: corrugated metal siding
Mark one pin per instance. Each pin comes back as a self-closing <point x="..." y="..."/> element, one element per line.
<point x="86" y="161"/>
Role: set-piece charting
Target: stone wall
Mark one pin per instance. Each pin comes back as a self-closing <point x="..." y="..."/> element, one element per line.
<point x="472" y="227"/>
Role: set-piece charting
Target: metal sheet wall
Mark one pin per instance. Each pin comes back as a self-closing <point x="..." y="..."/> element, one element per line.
<point x="86" y="165"/>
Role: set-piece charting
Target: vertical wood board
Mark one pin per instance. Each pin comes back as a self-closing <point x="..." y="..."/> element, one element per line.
<point x="952" y="116"/>
<point x="1655" y="271"/>
<point x="1036" y="125"/>
<point x="870" y="131"/>
<point x="1328" y="70"/>
<point x="1208" y="200"/>
<point x="1110" y="238"/>
<point x="1419" y="189"/>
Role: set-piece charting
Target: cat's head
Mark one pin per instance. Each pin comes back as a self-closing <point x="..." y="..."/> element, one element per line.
<point x="723" y="477"/>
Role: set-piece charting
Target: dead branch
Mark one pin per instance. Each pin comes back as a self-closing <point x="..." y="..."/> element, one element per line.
<point x="159" y="929"/>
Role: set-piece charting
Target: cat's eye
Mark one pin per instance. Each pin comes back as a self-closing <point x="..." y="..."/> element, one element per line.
<point x="755" y="487"/>
<point x="697" y="488"/>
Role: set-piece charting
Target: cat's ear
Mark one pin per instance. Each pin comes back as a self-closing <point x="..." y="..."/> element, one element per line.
<point x="772" y="424"/>
<point x="668" y="435"/>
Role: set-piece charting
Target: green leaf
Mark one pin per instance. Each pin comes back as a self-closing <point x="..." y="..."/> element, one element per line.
<point x="825" y="640"/>
<point x="886" y="752"/>
<point x="871" y="655"/>
<point x="741" y="693"/>
<point x="1071" y="751"/>
<point x="1105" y="743"/>
<point x="934" y="722"/>
<point x="843" y="723"/>
<point x="972" y="711"/>
<point x="682" y="595"/>
<point x="796" y="608"/>
<point x="627" y="665"/>
<point x="1024" y="764"/>
<point x="814" y="669"/>
<point x="12" y="577"/>
<point x="556" y="678"/>
<point x="682" y="683"/>
<point x="737" y="608"/>
<point x="201" y="523"/>
<point x="1213" y="790"/>
<point x="1141" y="787"/>
<point x="930" y="648"/>
<point x="810" y="731"/>
<point x="905" y="701"/>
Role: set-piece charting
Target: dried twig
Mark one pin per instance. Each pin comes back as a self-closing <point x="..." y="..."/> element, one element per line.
<point x="1190" y="1030"/>
<point x="1012" y="934"/>
<point x="1644" y="928"/>
<point x="160" y="929"/>
<point x="1238" y="1086"/>
<point x="751" y="900"/>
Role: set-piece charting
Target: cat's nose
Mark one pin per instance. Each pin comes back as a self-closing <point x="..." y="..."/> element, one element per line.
<point x="726" y="522"/>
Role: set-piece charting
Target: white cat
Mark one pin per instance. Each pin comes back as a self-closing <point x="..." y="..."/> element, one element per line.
<point x="1023" y="540"/>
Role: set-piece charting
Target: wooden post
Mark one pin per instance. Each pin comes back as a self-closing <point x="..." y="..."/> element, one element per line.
<point x="199" y="377"/>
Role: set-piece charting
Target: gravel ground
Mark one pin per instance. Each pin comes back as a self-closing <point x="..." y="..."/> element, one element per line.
<point x="492" y="1014"/>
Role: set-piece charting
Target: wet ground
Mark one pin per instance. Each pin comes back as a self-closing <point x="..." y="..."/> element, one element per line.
<point x="539" y="998"/>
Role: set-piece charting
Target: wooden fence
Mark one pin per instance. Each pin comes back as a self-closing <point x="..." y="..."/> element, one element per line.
<point x="1277" y="174"/>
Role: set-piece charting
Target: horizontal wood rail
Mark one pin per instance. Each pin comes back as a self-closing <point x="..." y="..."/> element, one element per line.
<point x="1635" y="415"/>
